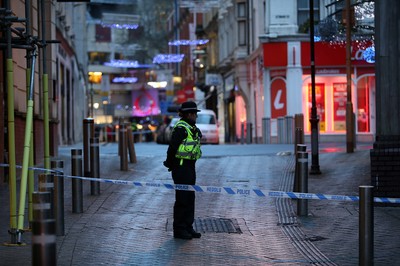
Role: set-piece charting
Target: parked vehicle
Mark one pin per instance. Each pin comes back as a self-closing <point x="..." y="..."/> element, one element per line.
<point x="207" y="123"/>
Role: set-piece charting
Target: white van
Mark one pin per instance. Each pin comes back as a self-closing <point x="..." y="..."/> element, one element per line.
<point x="207" y="123"/>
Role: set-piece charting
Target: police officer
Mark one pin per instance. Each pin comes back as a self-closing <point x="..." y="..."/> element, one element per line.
<point x="182" y="153"/>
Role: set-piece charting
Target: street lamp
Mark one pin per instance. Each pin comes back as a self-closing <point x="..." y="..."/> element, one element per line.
<point x="314" y="118"/>
<point x="350" y="141"/>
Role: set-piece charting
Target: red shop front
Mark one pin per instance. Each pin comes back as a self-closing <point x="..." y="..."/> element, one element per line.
<point x="288" y="83"/>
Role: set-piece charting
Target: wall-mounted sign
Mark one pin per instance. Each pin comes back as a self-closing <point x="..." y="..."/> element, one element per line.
<point x="278" y="98"/>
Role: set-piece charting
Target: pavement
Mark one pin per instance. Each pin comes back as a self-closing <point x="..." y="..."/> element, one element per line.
<point x="128" y="225"/>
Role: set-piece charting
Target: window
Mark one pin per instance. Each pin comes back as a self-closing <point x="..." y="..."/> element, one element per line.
<point x="364" y="86"/>
<point x="242" y="32"/>
<point x="241" y="10"/>
<point x="242" y="23"/>
<point x="98" y="58"/>
<point x="103" y="34"/>
<point x="303" y="14"/>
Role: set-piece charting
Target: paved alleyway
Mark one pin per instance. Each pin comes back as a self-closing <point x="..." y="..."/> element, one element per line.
<point x="128" y="225"/>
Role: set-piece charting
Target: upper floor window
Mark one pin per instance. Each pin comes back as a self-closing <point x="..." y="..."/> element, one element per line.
<point x="242" y="23"/>
<point x="241" y="10"/>
<point x="303" y="14"/>
<point x="98" y="58"/>
<point x="103" y="34"/>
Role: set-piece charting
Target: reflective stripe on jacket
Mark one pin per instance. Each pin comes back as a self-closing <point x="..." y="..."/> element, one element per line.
<point x="189" y="149"/>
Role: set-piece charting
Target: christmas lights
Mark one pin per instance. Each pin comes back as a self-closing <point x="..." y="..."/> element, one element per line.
<point x="188" y="42"/>
<point x="124" y="80"/>
<point x="369" y="54"/>
<point x="126" y="64"/>
<point x="121" y="26"/>
<point x="120" y="21"/>
<point x="168" y="58"/>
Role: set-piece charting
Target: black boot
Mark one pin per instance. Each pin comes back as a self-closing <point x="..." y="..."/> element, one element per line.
<point x="194" y="233"/>
<point x="183" y="234"/>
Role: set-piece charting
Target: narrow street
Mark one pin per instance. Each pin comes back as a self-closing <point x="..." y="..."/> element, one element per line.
<point x="135" y="223"/>
<point x="129" y="224"/>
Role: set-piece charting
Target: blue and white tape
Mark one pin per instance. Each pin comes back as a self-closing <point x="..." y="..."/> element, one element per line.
<point x="225" y="190"/>
<point x="236" y="191"/>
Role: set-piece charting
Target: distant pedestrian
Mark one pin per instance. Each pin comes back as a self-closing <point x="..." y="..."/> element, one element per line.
<point x="183" y="151"/>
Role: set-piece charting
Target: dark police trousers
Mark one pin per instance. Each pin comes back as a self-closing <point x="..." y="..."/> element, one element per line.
<point x="184" y="200"/>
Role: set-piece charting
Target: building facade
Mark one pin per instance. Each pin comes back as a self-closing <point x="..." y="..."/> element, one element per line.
<point x="264" y="60"/>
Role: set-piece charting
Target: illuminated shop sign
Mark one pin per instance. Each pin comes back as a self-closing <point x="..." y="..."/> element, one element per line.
<point x="369" y="55"/>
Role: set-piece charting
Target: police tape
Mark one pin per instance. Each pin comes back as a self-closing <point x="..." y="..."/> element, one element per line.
<point x="235" y="191"/>
<point x="223" y="190"/>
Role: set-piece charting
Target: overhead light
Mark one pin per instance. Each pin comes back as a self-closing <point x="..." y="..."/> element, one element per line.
<point x="126" y="64"/>
<point x="95" y="77"/>
<point x="168" y="58"/>
<point x="124" y="80"/>
<point x="158" y="84"/>
<point x="188" y="42"/>
<point x="120" y="21"/>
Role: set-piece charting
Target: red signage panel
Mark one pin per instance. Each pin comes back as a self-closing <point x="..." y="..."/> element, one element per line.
<point x="331" y="54"/>
<point x="275" y="54"/>
<point x="278" y="98"/>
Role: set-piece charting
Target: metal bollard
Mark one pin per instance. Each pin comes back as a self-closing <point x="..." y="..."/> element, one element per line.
<point x="302" y="204"/>
<point x="94" y="165"/>
<point x="299" y="148"/>
<point x="281" y="130"/>
<point x="123" y="148"/>
<point x="77" y="192"/>
<point x="366" y="226"/>
<point x="299" y="121"/>
<point x="299" y="137"/>
<point x="58" y="166"/>
<point x="289" y="127"/>
<point x="249" y="133"/>
<point x="46" y="184"/>
<point x="131" y="144"/>
<point x="266" y="121"/>
<point x="88" y="133"/>
<point x="242" y="133"/>
<point x="41" y="205"/>
<point x="44" y="248"/>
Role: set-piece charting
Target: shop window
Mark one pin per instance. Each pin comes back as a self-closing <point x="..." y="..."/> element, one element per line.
<point x="339" y="106"/>
<point x="363" y="111"/>
<point x="320" y="104"/>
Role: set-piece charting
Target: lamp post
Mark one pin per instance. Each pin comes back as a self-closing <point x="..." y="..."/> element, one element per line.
<point x="349" y="105"/>
<point x="314" y="118"/>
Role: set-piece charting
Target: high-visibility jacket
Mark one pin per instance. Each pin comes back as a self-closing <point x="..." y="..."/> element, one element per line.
<point x="189" y="149"/>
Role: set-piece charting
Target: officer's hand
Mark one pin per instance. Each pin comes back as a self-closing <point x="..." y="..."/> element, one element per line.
<point x="166" y="164"/>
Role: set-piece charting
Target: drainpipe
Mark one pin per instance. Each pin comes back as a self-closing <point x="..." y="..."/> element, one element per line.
<point x="45" y="90"/>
